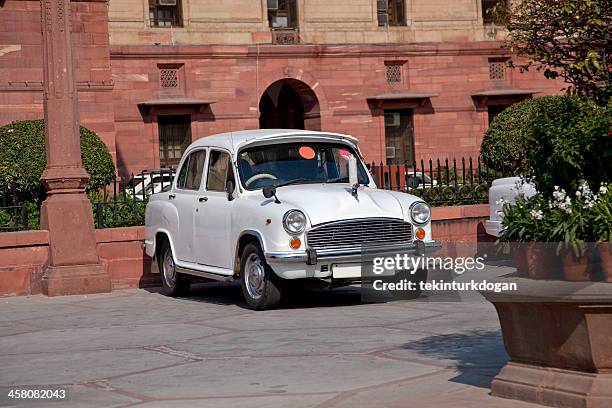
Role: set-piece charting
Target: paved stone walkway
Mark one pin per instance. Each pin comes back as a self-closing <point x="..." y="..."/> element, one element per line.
<point x="324" y="349"/>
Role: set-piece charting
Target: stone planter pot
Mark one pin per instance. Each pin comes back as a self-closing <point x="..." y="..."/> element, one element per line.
<point x="540" y="261"/>
<point x="576" y="269"/>
<point x="558" y="336"/>
<point x="605" y="260"/>
<point x="519" y="255"/>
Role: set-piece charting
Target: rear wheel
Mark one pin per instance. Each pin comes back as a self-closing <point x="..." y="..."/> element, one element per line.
<point x="174" y="283"/>
<point x="260" y="285"/>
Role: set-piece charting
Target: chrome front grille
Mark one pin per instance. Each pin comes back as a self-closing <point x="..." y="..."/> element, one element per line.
<point x="357" y="233"/>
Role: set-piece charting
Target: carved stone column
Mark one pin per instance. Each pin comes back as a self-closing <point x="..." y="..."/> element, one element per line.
<point x="74" y="266"/>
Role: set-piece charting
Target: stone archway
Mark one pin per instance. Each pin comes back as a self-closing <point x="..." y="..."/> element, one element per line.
<point x="289" y="104"/>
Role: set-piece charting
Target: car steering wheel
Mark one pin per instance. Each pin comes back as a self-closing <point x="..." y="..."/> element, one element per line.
<point x="260" y="177"/>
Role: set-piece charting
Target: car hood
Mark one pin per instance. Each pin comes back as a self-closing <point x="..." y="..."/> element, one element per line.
<point x="333" y="202"/>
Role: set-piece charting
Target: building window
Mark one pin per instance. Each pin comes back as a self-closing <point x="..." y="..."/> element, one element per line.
<point x="393" y="72"/>
<point x="168" y="78"/>
<point x="497" y="70"/>
<point x="165" y="13"/>
<point x="391" y="13"/>
<point x="399" y="137"/>
<point x="489" y="7"/>
<point x="174" y="138"/>
<point x="495" y="110"/>
<point x="282" y="14"/>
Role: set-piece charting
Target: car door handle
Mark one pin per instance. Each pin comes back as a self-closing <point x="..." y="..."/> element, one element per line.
<point x="172" y="196"/>
<point x="203" y="199"/>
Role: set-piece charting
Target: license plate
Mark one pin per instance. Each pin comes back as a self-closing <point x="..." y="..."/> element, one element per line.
<point x="342" y="271"/>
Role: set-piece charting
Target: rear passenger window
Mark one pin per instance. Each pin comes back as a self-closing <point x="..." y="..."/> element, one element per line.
<point x="190" y="176"/>
<point x="180" y="182"/>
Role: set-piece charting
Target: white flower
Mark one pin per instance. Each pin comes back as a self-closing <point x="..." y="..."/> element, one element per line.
<point x="578" y="193"/>
<point x="603" y="189"/>
<point x="537" y="215"/>
<point x="11" y="130"/>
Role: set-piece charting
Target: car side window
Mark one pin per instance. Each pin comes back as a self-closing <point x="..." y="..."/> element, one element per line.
<point x="182" y="177"/>
<point x="218" y="166"/>
<point x="195" y="170"/>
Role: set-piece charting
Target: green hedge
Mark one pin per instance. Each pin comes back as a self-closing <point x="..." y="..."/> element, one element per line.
<point x="568" y="140"/>
<point x="22" y="160"/>
<point x="504" y="143"/>
<point x="557" y="139"/>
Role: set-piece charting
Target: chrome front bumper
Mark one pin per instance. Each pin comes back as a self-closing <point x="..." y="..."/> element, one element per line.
<point x="351" y="255"/>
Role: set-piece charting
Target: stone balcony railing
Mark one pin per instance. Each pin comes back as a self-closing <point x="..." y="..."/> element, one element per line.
<point x="285" y="36"/>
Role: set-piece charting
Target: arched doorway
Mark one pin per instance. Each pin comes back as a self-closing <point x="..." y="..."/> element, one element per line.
<point x="289" y="104"/>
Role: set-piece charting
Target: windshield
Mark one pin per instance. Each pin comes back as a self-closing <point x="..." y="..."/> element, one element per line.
<point x="297" y="163"/>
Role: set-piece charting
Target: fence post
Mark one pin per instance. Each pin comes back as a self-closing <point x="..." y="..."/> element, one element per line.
<point x="24" y="217"/>
<point x="99" y="215"/>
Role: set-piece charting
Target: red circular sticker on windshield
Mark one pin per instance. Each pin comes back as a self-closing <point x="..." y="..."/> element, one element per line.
<point x="307" y="152"/>
<point x="345" y="154"/>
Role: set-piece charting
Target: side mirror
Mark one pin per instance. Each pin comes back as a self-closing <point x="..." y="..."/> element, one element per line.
<point x="269" y="191"/>
<point x="229" y="189"/>
<point x="414" y="182"/>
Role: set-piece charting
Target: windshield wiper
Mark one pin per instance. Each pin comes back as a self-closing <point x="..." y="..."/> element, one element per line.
<point x="340" y="180"/>
<point x="297" y="181"/>
<point x="336" y="180"/>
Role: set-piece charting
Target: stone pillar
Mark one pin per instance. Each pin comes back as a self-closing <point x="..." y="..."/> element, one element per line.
<point x="74" y="266"/>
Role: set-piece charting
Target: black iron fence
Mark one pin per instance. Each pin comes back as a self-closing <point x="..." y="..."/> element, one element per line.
<point x="122" y="203"/>
<point x="441" y="182"/>
<point x="14" y="218"/>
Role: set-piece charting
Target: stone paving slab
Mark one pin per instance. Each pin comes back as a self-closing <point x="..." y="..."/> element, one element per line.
<point x="323" y="349"/>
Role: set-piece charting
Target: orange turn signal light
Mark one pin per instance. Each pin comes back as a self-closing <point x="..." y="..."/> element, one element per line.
<point x="295" y="243"/>
<point x="420" y="233"/>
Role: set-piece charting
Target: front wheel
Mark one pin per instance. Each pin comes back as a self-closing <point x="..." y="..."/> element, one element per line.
<point x="260" y="286"/>
<point x="174" y="283"/>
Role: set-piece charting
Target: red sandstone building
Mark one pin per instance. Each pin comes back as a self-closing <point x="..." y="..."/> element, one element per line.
<point x="412" y="79"/>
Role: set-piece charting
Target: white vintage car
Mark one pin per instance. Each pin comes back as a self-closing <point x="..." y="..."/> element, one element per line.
<point x="271" y="207"/>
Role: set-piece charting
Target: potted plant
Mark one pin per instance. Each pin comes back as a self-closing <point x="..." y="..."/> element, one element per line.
<point x="601" y="224"/>
<point x="526" y="230"/>
<point x="571" y="230"/>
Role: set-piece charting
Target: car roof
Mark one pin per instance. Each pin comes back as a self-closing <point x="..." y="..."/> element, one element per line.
<point x="234" y="140"/>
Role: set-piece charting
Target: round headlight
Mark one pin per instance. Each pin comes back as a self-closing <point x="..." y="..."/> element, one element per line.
<point x="294" y="222"/>
<point x="420" y="213"/>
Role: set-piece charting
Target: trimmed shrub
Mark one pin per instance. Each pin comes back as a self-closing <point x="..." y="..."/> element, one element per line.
<point x="23" y="159"/>
<point x="504" y="143"/>
<point x="568" y="140"/>
<point x="557" y="139"/>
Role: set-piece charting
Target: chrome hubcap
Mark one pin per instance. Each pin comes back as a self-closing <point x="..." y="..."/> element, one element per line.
<point x="169" y="269"/>
<point x="255" y="278"/>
